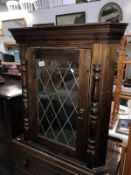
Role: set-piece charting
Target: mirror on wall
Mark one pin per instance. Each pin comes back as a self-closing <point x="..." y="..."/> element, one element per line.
<point x="110" y="12"/>
<point x="14" y="23"/>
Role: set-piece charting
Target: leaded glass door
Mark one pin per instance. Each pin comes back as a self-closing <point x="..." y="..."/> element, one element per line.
<point x="58" y="96"/>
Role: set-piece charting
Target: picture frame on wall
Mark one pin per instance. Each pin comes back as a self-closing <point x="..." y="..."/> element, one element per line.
<point x="110" y="12"/>
<point x="80" y="1"/>
<point x="123" y="126"/>
<point x="71" y="18"/>
<point x="13" y="23"/>
<point x="43" y="25"/>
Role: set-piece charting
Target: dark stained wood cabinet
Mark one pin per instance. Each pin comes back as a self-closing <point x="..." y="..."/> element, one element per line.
<point x="67" y="75"/>
<point x="11" y="121"/>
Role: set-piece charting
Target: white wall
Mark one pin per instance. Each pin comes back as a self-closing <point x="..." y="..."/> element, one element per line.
<point x="127" y="14"/>
<point x="92" y="10"/>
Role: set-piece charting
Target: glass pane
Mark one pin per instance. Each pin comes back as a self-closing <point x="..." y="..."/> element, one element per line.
<point x="57" y="100"/>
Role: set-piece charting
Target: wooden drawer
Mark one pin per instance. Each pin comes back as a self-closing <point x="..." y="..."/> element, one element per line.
<point x="33" y="165"/>
<point x="36" y="162"/>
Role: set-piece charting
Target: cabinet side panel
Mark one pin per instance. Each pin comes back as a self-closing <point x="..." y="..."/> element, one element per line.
<point x="103" y="65"/>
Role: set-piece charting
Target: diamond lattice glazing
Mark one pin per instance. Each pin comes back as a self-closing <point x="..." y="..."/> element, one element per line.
<point x="57" y="101"/>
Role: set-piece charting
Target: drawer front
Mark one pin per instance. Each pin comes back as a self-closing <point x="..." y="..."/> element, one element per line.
<point x="36" y="162"/>
<point x="33" y="165"/>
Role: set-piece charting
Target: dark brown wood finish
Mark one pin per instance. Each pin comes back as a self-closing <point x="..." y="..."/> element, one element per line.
<point x="32" y="160"/>
<point x="11" y="120"/>
<point x="83" y="103"/>
<point x="67" y="36"/>
<point x="96" y="43"/>
<point x="101" y="102"/>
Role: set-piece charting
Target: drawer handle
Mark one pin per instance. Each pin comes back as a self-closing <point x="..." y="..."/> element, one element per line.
<point x="25" y="163"/>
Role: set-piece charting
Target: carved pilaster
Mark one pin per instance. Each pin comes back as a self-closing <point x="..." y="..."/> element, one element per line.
<point x="25" y="97"/>
<point x="94" y="110"/>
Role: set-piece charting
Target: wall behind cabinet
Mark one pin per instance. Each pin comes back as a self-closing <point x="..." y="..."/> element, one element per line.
<point x="92" y="10"/>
